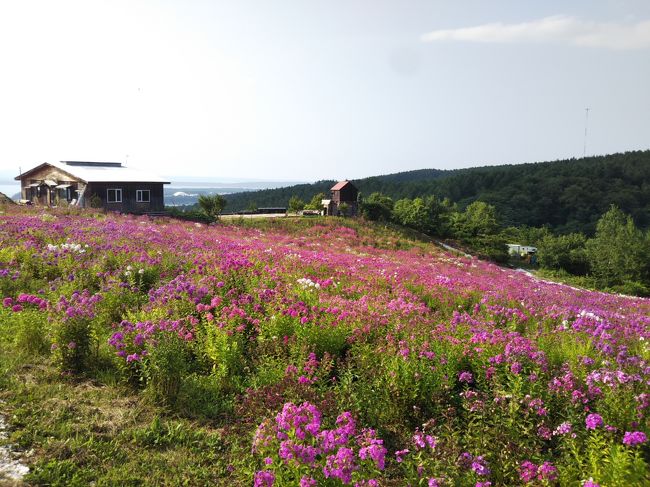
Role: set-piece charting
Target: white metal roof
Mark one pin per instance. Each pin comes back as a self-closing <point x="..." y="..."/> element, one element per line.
<point x="117" y="174"/>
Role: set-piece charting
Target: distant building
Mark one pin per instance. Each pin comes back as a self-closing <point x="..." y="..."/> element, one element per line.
<point x="107" y="185"/>
<point x="343" y="192"/>
<point x="521" y="250"/>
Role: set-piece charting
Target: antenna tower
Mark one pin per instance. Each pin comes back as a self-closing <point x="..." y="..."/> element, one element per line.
<point x="584" y="149"/>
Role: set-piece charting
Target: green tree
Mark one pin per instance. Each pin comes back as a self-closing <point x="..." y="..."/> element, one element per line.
<point x="296" y="204"/>
<point x="439" y="212"/>
<point x="618" y="252"/>
<point x="565" y="252"/>
<point x="479" y="218"/>
<point x="377" y="207"/>
<point x="316" y="202"/>
<point x="212" y="205"/>
<point x="414" y="214"/>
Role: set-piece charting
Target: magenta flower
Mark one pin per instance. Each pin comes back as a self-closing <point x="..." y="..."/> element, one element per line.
<point x="400" y="454"/>
<point x="264" y="478"/>
<point x="479" y="466"/>
<point x="341" y="465"/>
<point x="634" y="438"/>
<point x="465" y="377"/>
<point x="593" y="421"/>
<point x="306" y="481"/>
<point x="547" y="471"/>
<point x="527" y="471"/>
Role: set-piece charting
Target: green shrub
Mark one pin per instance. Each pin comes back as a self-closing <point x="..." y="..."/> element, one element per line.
<point x="165" y="367"/>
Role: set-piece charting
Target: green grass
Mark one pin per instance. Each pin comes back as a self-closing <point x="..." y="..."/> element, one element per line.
<point x="81" y="431"/>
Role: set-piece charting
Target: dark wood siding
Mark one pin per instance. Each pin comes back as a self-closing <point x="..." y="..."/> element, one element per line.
<point x="129" y="203"/>
<point x="346" y="194"/>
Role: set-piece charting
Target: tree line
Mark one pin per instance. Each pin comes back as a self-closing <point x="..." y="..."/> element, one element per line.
<point x="567" y="196"/>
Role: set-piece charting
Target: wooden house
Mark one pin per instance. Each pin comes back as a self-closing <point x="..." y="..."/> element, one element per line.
<point x="107" y="185"/>
<point x="343" y="192"/>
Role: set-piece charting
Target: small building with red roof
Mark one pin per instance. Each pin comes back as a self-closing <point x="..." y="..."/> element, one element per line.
<point x="343" y="201"/>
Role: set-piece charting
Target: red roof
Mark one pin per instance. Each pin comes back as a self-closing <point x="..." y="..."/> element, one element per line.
<point x="340" y="185"/>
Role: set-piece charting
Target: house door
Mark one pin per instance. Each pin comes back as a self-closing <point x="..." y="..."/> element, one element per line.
<point x="43" y="195"/>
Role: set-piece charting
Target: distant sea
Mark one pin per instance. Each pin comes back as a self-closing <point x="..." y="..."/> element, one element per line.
<point x="187" y="193"/>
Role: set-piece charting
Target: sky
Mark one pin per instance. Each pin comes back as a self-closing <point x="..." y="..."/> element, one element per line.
<point x="303" y="90"/>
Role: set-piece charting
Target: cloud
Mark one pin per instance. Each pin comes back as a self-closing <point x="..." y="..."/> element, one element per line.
<point x="559" y="29"/>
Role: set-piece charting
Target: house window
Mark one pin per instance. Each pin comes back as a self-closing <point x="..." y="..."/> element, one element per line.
<point x="114" y="195"/>
<point x="142" y="195"/>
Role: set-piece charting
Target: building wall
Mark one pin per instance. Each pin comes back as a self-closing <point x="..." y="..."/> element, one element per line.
<point x="129" y="203"/>
<point x="347" y="194"/>
<point x="46" y="195"/>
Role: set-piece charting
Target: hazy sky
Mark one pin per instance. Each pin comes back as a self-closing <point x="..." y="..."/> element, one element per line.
<point x="310" y="89"/>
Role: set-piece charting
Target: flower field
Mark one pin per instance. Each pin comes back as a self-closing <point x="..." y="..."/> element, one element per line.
<point x="322" y="352"/>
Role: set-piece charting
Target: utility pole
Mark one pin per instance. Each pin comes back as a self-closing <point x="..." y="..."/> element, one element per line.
<point x="584" y="149"/>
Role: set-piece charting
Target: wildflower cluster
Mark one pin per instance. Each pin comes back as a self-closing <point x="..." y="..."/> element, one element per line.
<point x="296" y="448"/>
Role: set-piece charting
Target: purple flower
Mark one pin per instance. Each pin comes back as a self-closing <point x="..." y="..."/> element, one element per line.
<point x="465" y="377"/>
<point x="264" y="478"/>
<point x="593" y="421"/>
<point x="527" y="471"/>
<point x="400" y="454"/>
<point x="341" y="465"/>
<point x="563" y="429"/>
<point x="308" y="482"/>
<point x="7" y="302"/>
<point x="372" y="447"/>
<point x="590" y="483"/>
<point x="479" y="466"/>
<point x="544" y="432"/>
<point x="546" y="471"/>
<point x="634" y="438"/>
<point x="16" y="308"/>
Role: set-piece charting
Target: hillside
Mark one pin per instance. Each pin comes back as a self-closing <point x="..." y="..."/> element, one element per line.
<point x="316" y="352"/>
<point x="5" y="200"/>
<point x="568" y="195"/>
